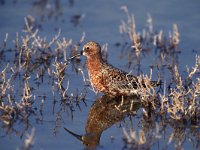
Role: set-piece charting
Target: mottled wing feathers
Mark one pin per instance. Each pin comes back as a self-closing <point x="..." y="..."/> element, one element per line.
<point x="119" y="80"/>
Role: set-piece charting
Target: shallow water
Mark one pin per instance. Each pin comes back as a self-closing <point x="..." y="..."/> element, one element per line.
<point x="100" y="22"/>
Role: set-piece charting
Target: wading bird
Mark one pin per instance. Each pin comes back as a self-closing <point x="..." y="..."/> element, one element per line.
<point x="108" y="79"/>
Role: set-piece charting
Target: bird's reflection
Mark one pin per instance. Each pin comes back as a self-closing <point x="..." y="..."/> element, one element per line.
<point x="105" y="112"/>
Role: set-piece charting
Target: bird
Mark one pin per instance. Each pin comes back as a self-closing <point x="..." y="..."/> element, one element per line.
<point x="106" y="78"/>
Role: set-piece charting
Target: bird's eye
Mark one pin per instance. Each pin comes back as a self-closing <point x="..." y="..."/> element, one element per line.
<point x="87" y="48"/>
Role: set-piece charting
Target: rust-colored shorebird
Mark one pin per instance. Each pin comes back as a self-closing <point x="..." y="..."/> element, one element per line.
<point x="106" y="78"/>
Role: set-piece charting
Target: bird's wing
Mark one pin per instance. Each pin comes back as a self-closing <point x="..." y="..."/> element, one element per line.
<point x="119" y="79"/>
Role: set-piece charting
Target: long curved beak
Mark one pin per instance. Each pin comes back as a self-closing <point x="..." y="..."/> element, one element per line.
<point x="79" y="137"/>
<point x="77" y="55"/>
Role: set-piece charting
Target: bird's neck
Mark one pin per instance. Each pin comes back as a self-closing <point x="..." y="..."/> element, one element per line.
<point x="94" y="62"/>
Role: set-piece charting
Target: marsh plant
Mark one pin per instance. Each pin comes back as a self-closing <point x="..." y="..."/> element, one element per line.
<point x="34" y="62"/>
<point x="177" y="102"/>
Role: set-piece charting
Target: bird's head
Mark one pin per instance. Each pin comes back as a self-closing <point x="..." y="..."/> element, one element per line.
<point x="91" y="49"/>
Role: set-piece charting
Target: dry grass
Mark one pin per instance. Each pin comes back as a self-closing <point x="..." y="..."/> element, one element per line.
<point x="182" y="98"/>
<point x="29" y="140"/>
<point x="128" y="29"/>
<point x="178" y="103"/>
<point x="36" y="63"/>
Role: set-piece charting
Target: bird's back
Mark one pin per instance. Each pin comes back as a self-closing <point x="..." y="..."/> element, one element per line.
<point x="119" y="82"/>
